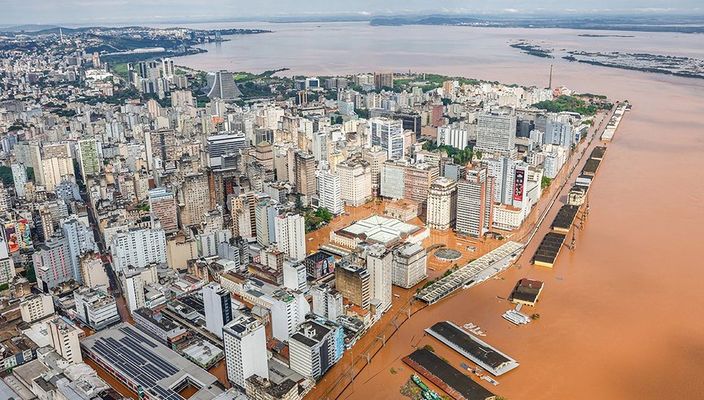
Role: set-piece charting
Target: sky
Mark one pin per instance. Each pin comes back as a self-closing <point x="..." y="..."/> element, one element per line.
<point x="15" y="12"/>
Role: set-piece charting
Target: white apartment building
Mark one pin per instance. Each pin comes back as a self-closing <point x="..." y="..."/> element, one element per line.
<point x="245" y="350"/>
<point x="138" y="248"/>
<point x="409" y="265"/>
<point x="288" y="309"/>
<point x="355" y="181"/>
<point x="291" y="235"/>
<point x="380" y="265"/>
<point x="96" y="307"/>
<point x="330" y="192"/>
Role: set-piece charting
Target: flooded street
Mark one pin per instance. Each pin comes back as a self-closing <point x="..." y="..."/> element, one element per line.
<point x="619" y="316"/>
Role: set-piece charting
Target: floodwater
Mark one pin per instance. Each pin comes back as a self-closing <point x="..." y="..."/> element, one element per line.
<point x="620" y="316"/>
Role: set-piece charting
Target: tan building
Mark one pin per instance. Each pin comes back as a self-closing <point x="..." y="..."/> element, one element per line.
<point x="442" y="204"/>
<point x="36" y="307"/>
<point x="376" y="157"/>
<point x="162" y="206"/>
<point x="92" y="271"/>
<point x="195" y="195"/>
<point x="305" y="174"/>
<point x="353" y="281"/>
<point x="65" y="339"/>
<point x="355" y="181"/>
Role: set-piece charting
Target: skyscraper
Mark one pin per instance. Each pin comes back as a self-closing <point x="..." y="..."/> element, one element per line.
<point x="379" y="264"/>
<point x="218" y="307"/>
<point x="355" y="181"/>
<point x="330" y="192"/>
<point x="245" y="350"/>
<point x="19" y="177"/>
<point x="305" y="173"/>
<point x="442" y="204"/>
<point x="80" y="241"/>
<point x="162" y="207"/>
<point x="315" y="347"/>
<point x="387" y="134"/>
<point x="474" y="202"/>
<point x="496" y="133"/>
<point x="222" y="86"/>
<point x="291" y="235"/>
<point x="138" y="248"/>
<point x="383" y="80"/>
<point x="88" y="158"/>
<point x="52" y="263"/>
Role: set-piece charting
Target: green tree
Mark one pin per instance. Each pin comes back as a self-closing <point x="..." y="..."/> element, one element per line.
<point x="6" y="175"/>
<point x="545" y="182"/>
<point x="324" y="214"/>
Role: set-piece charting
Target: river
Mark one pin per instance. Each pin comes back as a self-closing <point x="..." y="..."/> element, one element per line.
<point x="620" y="316"/>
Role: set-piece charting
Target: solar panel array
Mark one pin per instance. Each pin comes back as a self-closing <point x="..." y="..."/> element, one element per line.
<point x="131" y="355"/>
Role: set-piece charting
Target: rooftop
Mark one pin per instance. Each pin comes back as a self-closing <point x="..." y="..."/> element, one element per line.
<point x="151" y="365"/>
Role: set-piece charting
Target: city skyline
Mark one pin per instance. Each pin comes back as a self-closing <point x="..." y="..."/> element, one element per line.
<point x="95" y="12"/>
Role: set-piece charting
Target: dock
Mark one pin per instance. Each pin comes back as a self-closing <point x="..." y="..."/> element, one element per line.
<point x="615" y="121"/>
<point x="477" y="271"/>
<point x="453" y="382"/>
<point x="565" y="218"/>
<point x="473" y="348"/>
<point x="549" y="249"/>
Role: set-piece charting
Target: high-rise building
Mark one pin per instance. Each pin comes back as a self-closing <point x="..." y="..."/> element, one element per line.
<point x="295" y="277"/>
<point x="315" y="348"/>
<point x="96" y="307"/>
<point x="80" y="241"/>
<point x="138" y="248"/>
<point x="304" y="166"/>
<point x="245" y="350"/>
<point x="355" y="181"/>
<point x="290" y="235"/>
<point x="288" y="309"/>
<point x="474" y="202"/>
<point x="400" y="180"/>
<point x="330" y="192"/>
<point x="352" y="281"/>
<point x="380" y="264"/>
<point x="7" y="266"/>
<point x="496" y="133"/>
<point x="195" y="193"/>
<point x="327" y="302"/>
<point x="65" y="339"/>
<point x="36" y="307"/>
<point x="162" y="207"/>
<point x="52" y="263"/>
<point x="442" y="204"/>
<point x="19" y="177"/>
<point x="133" y="282"/>
<point x="222" y="86"/>
<point x="409" y="265"/>
<point x="92" y="271"/>
<point x="376" y="157"/>
<point x="88" y="158"/>
<point x="455" y="135"/>
<point x="218" y="307"/>
<point x="393" y="176"/>
<point x="383" y="80"/>
<point x="387" y="134"/>
<point x="265" y="213"/>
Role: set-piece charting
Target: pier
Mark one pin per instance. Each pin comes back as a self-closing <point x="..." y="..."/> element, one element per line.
<point x="474" y="349"/>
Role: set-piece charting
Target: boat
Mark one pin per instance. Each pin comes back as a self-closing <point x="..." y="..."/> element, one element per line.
<point x="420" y="383"/>
<point x="490" y="380"/>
